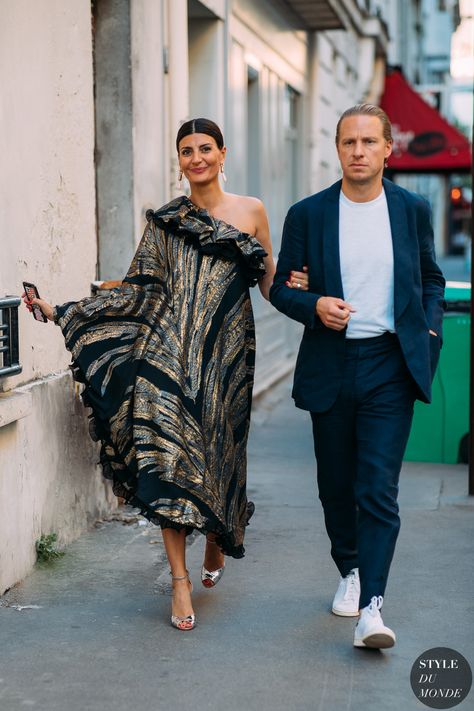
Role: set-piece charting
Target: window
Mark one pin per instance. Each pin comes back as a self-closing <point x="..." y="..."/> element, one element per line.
<point x="253" y="132"/>
<point x="9" y="351"/>
<point x="291" y="124"/>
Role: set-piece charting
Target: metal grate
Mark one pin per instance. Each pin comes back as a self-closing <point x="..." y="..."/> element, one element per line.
<point x="9" y="351"/>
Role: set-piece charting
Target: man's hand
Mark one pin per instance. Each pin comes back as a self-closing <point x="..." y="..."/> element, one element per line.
<point x="432" y="333"/>
<point x="333" y="312"/>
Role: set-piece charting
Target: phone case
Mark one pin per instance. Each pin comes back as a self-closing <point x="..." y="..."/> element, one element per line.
<point x="32" y="293"/>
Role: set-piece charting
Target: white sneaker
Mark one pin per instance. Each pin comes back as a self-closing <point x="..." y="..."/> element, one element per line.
<point x="370" y="631"/>
<point x="346" y="599"/>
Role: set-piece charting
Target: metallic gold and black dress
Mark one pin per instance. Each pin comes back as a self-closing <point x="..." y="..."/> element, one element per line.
<point x="167" y="360"/>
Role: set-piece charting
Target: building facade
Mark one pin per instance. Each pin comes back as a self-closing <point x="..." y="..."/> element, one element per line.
<point x="421" y="34"/>
<point x="462" y="68"/>
<point x="93" y="94"/>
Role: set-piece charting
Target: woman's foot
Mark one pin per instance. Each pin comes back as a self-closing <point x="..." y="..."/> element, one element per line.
<point x="182" y="613"/>
<point x="214" y="565"/>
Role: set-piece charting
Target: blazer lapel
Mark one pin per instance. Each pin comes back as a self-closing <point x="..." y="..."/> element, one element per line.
<point x="402" y="267"/>
<point x="332" y="263"/>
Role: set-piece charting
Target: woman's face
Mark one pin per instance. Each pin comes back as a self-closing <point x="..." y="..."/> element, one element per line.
<point x="200" y="158"/>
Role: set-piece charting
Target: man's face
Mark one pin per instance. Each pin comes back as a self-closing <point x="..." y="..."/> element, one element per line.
<point x="362" y="149"/>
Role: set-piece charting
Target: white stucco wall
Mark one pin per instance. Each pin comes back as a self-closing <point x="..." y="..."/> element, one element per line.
<point x="48" y="475"/>
<point x="49" y="479"/>
<point x="151" y="184"/>
<point x="47" y="220"/>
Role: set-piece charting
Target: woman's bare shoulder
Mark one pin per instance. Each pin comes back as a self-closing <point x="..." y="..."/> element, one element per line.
<point x="247" y="201"/>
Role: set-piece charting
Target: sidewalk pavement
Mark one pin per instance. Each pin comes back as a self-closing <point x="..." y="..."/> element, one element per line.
<point x="97" y="635"/>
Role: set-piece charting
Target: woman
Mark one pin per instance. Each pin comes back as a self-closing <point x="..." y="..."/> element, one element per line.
<point x="168" y="359"/>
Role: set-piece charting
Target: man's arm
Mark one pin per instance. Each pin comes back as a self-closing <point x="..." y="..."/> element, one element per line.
<point x="432" y="278"/>
<point x="298" y="305"/>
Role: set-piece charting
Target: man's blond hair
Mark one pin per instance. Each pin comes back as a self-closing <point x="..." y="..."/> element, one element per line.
<point x="367" y="110"/>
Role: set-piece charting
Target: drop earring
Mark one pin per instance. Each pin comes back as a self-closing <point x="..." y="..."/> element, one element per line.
<point x="180" y="180"/>
<point x="224" y="178"/>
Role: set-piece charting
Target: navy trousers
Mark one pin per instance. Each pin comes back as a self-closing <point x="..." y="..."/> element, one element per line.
<point x="359" y="444"/>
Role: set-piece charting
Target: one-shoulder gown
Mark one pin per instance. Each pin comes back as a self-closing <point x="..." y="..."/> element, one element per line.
<point x="167" y="360"/>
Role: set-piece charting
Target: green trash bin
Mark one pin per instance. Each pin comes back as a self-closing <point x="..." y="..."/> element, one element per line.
<point x="440" y="430"/>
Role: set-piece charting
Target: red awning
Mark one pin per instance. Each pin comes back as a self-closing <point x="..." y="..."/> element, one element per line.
<point x="423" y="141"/>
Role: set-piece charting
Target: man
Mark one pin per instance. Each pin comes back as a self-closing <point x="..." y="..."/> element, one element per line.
<point x="373" y="317"/>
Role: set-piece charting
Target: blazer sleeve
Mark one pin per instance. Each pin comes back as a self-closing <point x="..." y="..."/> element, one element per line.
<point x="298" y="305"/>
<point x="432" y="279"/>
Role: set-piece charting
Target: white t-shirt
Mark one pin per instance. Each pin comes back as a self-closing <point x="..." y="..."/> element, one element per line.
<point x="366" y="256"/>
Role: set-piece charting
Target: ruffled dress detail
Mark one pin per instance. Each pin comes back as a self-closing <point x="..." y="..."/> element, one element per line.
<point x="167" y="361"/>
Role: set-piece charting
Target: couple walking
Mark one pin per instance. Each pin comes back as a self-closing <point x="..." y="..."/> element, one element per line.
<point x="167" y="358"/>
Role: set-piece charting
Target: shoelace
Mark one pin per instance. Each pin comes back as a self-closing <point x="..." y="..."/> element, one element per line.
<point x="351" y="592"/>
<point x="375" y="605"/>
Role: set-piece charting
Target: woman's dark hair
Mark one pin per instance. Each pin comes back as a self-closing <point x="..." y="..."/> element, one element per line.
<point x="200" y="125"/>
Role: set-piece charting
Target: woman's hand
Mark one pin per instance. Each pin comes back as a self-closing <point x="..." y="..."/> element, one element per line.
<point x="46" y="308"/>
<point x="298" y="280"/>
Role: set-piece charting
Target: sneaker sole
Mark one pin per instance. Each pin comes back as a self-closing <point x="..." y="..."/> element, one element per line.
<point x="343" y="613"/>
<point x="375" y="641"/>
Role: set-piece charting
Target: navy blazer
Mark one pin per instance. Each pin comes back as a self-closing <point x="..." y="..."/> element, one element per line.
<point x="311" y="237"/>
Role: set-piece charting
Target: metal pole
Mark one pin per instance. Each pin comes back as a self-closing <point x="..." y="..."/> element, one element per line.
<point x="471" y="382"/>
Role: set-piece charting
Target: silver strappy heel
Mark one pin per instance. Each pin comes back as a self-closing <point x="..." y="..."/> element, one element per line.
<point x="210" y="578"/>
<point x="183" y="623"/>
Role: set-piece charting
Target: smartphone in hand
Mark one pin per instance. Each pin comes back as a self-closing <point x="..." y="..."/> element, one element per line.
<point x="32" y="293"/>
